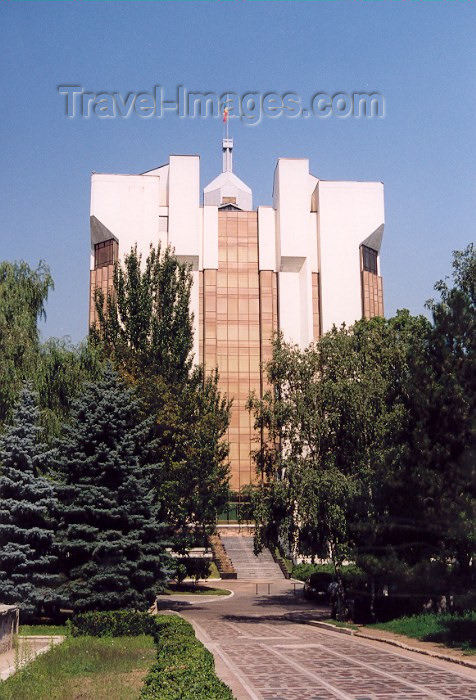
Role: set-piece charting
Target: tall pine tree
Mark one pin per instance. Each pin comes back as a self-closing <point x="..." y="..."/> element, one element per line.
<point x="28" y="564"/>
<point x="113" y="554"/>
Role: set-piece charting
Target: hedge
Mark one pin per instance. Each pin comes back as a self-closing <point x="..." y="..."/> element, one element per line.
<point x="351" y="574"/>
<point x="114" y="623"/>
<point x="303" y="571"/>
<point x="184" y="668"/>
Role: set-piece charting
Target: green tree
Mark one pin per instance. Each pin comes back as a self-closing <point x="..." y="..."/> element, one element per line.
<point x="370" y="441"/>
<point x="190" y="453"/>
<point x="447" y="418"/>
<point x="57" y="369"/>
<point x="391" y="532"/>
<point x="23" y="294"/>
<point x="145" y="327"/>
<point x="113" y="551"/>
<point x="305" y="457"/>
<point x="331" y="461"/>
<point x="145" y="323"/>
<point x="28" y="562"/>
<point x="58" y="376"/>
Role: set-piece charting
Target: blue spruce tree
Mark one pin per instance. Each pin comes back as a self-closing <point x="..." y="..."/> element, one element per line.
<point x="113" y="553"/>
<point x="28" y="565"/>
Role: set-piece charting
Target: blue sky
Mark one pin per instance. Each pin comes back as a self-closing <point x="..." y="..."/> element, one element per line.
<point x="420" y="55"/>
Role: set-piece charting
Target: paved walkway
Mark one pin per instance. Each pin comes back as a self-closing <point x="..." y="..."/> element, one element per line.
<point x="263" y="652"/>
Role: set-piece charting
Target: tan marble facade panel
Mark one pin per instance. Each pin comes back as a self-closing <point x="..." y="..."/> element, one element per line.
<point x="201" y="331"/>
<point x="106" y="255"/>
<point x="371" y="284"/>
<point x="209" y="319"/>
<point x="316" y="323"/>
<point x="231" y="329"/>
<point x="268" y="305"/>
<point x="100" y="278"/>
<point x="372" y="295"/>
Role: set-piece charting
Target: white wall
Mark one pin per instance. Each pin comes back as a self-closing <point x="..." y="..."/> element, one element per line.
<point x="292" y="203"/>
<point x="296" y="248"/>
<point x="349" y="213"/>
<point x="127" y="206"/>
<point x="210" y="238"/>
<point x="305" y="295"/>
<point x="163" y="173"/>
<point x="184" y="202"/>
<point x="228" y="184"/>
<point x="267" y="238"/>
<point x="289" y="306"/>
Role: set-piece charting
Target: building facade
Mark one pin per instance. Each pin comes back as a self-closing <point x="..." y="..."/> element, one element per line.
<point x="309" y="261"/>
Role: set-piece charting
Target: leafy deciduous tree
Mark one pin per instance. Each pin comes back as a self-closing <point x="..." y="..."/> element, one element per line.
<point x="23" y="293"/>
<point x="60" y="372"/>
<point x="330" y="460"/>
<point x="145" y="324"/>
<point x="371" y="439"/>
<point x="448" y="417"/>
<point x="190" y="451"/>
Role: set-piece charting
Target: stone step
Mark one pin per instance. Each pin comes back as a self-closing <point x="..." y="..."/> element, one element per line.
<point x="246" y="563"/>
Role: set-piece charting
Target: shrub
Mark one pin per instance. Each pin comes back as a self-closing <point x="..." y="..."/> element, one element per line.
<point x="385" y="607"/>
<point x="349" y="572"/>
<point x="172" y="626"/>
<point x="303" y="571"/>
<point x="113" y="623"/>
<point x="320" y="580"/>
<point x="192" y="567"/>
<point x="353" y="577"/>
<point x="465" y="602"/>
<point x="180" y="572"/>
<point x="184" y="668"/>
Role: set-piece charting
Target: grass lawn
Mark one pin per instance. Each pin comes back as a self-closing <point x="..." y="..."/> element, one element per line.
<point x="214" y="573"/>
<point x="30" y="630"/>
<point x="191" y="589"/>
<point x="458" y="631"/>
<point x="85" y="668"/>
<point x="287" y="562"/>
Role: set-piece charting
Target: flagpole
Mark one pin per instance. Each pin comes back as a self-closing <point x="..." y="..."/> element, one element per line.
<point x="226" y="145"/>
<point x="227" y="116"/>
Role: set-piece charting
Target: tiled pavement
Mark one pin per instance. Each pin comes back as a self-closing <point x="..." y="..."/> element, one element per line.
<point x="264" y="656"/>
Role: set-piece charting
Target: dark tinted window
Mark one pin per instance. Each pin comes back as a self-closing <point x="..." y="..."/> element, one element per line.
<point x="105" y="253"/>
<point x="369" y="258"/>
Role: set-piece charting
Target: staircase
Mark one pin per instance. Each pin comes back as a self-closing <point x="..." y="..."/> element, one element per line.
<point x="222" y="560"/>
<point x="246" y="564"/>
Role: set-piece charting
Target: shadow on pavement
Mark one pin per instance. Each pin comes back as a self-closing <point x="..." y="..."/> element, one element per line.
<point x="279" y="618"/>
<point x="178" y="605"/>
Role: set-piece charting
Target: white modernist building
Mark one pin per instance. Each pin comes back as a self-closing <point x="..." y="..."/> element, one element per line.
<point x="309" y="261"/>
